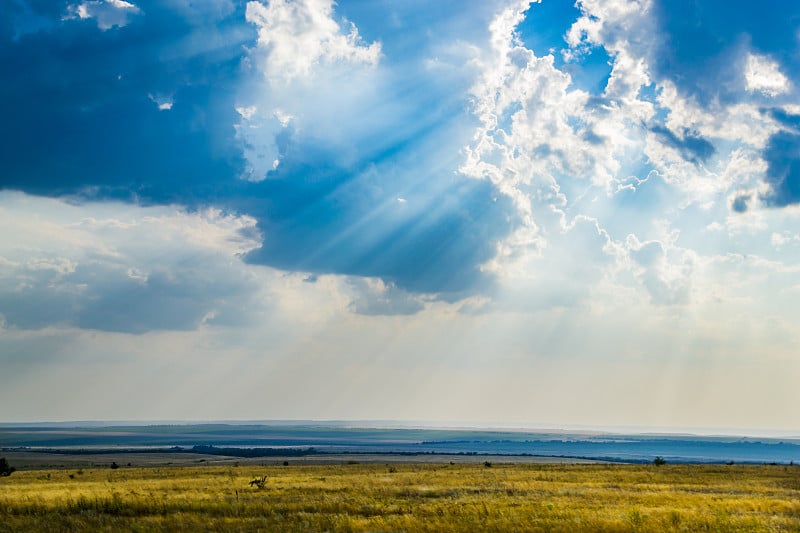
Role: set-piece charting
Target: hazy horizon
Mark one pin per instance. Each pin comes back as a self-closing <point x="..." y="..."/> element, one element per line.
<point x="411" y="424"/>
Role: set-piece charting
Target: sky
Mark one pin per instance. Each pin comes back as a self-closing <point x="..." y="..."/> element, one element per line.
<point x="546" y="214"/>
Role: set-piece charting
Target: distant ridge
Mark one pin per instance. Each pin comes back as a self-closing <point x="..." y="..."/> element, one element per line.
<point x="358" y="437"/>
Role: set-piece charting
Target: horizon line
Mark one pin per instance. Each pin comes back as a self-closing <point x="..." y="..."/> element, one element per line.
<point x="433" y="425"/>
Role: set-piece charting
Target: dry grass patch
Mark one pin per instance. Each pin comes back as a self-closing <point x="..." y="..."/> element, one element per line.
<point x="401" y="497"/>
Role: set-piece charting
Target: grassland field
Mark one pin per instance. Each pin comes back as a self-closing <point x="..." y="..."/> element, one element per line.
<point x="404" y="497"/>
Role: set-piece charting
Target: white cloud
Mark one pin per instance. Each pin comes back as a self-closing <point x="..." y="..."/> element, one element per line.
<point x="311" y="77"/>
<point x="545" y="143"/>
<point x="59" y="265"/>
<point x="297" y="35"/>
<point x="738" y="122"/>
<point x="605" y="22"/>
<point x="761" y="74"/>
<point x="120" y="267"/>
<point x="639" y="277"/>
<point x="663" y="268"/>
<point x="247" y="112"/>
<point x="164" y="103"/>
<point x="567" y="157"/>
<point x="376" y="297"/>
<point x="283" y="117"/>
<point x="108" y="13"/>
<point x="257" y="134"/>
<point x="779" y="239"/>
<point x="698" y="147"/>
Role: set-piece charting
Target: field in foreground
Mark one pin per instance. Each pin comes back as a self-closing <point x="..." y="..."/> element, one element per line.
<point x="403" y="497"/>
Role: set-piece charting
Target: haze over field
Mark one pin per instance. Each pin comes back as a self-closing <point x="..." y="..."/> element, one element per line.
<point x="496" y="212"/>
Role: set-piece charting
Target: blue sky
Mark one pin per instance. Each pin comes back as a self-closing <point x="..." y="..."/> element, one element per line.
<point x="547" y="213"/>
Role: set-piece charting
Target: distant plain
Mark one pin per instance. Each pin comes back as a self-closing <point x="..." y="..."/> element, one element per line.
<point x="317" y="440"/>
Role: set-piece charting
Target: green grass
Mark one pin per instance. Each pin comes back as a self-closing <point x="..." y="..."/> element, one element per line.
<point x="406" y="498"/>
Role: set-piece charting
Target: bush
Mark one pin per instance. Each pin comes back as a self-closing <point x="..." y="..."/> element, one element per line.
<point x="658" y="461"/>
<point x="5" y="468"/>
<point x="259" y="482"/>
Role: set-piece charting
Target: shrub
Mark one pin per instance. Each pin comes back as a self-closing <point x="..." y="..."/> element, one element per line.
<point x="5" y="468"/>
<point x="259" y="482"/>
<point x="658" y="461"/>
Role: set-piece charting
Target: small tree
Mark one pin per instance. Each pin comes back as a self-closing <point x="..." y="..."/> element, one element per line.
<point x="5" y="468"/>
<point x="658" y="461"/>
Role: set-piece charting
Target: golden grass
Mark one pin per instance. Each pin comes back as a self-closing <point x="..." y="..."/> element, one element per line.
<point x="406" y="498"/>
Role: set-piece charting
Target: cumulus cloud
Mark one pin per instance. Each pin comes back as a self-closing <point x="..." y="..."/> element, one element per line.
<point x="563" y="154"/>
<point x="691" y="146"/>
<point x="121" y="268"/>
<point x="296" y="35"/>
<point x="763" y="75"/>
<point x="261" y="140"/>
<point x="580" y="227"/>
<point x="107" y="13"/>
<point x="332" y="141"/>
<point x="546" y="143"/>
<point x="551" y="278"/>
<point x="348" y="145"/>
<point x="300" y="41"/>
<point x="703" y="119"/>
<point x="663" y="269"/>
<point x="164" y="103"/>
<point x="376" y="297"/>
<point x="338" y="146"/>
